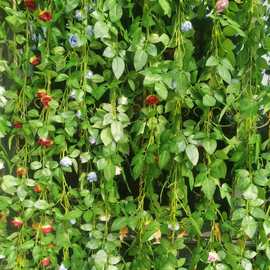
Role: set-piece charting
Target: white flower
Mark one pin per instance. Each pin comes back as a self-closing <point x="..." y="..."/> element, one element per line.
<point x="72" y="221"/>
<point x="123" y="100"/>
<point x="118" y="170"/>
<point x="174" y="227"/>
<point x="62" y="267"/>
<point x="2" y="90"/>
<point x="89" y="30"/>
<point x="79" y="114"/>
<point x="89" y="74"/>
<point x="104" y="217"/>
<point x="92" y="177"/>
<point x="2" y="166"/>
<point x="213" y="256"/>
<point x="66" y="162"/>
<point x="186" y="26"/>
<point x="72" y="94"/>
<point x="78" y="15"/>
<point x="92" y="140"/>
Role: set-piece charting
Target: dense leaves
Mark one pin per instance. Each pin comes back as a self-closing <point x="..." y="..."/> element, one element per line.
<point x="134" y="135"/>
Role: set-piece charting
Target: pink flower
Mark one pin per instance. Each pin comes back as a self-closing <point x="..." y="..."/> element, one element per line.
<point x="213" y="256"/>
<point x="221" y="5"/>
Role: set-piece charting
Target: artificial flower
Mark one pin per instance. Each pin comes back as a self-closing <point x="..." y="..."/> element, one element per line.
<point x="213" y="257"/>
<point x="17" y="222"/>
<point x="45" y="262"/>
<point x="35" y="60"/>
<point x="92" y="140"/>
<point x="45" y="100"/>
<point x="89" y="74"/>
<point x="89" y="30"/>
<point x="123" y="100"/>
<point x="221" y="5"/>
<point x="45" y="142"/>
<point x="17" y="125"/>
<point x="45" y="16"/>
<point x="74" y="41"/>
<point x="46" y="229"/>
<point x="21" y="171"/>
<point x="66" y="162"/>
<point x="2" y="166"/>
<point x="152" y="100"/>
<point x="186" y="26"/>
<point x="37" y="188"/>
<point x="30" y="4"/>
<point x="78" y="15"/>
<point x="123" y="233"/>
<point x="62" y="267"/>
<point x="92" y="177"/>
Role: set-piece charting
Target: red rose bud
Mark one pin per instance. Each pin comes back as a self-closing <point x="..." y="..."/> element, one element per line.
<point x="45" y="16"/>
<point x="17" y="124"/>
<point x="21" y="171"/>
<point x="37" y="188"/>
<point x="35" y="60"/>
<point x="45" y="100"/>
<point x="152" y="100"/>
<point x="30" y="4"/>
<point x="47" y="229"/>
<point x="17" y="223"/>
<point x="45" y="262"/>
<point x="45" y="142"/>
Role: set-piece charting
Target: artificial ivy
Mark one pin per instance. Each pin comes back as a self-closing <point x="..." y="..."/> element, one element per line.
<point x="134" y="135"/>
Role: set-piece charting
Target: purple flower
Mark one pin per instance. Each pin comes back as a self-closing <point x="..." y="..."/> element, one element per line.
<point x="74" y="41"/>
<point x="92" y="177"/>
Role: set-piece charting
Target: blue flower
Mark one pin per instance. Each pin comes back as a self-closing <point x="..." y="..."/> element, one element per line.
<point x="92" y="177"/>
<point x="74" y="41"/>
<point x="78" y="15"/>
<point x="186" y="26"/>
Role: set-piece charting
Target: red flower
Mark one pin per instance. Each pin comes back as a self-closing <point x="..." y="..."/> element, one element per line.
<point x="35" y="60"/>
<point x="45" y="142"/>
<point x="17" y="223"/>
<point x="30" y="4"/>
<point x="45" y="16"/>
<point x="37" y="188"/>
<point x="152" y="100"/>
<point x="47" y="229"/>
<point x="45" y="262"/>
<point x="17" y="124"/>
<point x="21" y="171"/>
<point x="45" y="100"/>
<point x="40" y="93"/>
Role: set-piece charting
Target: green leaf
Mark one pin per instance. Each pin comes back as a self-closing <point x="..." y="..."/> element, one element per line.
<point x="41" y="204"/>
<point x="166" y="7"/>
<point x="118" y="66"/>
<point x="150" y="230"/>
<point x="116" y="12"/>
<point x="209" y="101"/>
<point x="192" y="154"/>
<point x="251" y="193"/>
<point x="209" y="145"/>
<point x="161" y="90"/>
<point x="101" y="30"/>
<point x="35" y="165"/>
<point x="101" y="258"/>
<point x="73" y="214"/>
<point x="224" y="73"/>
<point x="61" y="77"/>
<point x="140" y="59"/>
<point x="249" y="226"/>
<point x="117" y="130"/>
<point x="106" y="136"/>
<point x="209" y="187"/>
<point x="164" y="158"/>
<point x="212" y="61"/>
<point x="119" y="223"/>
<point x="266" y="226"/>
<point x="218" y="169"/>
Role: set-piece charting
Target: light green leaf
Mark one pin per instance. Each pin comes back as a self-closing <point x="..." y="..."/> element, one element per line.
<point x="101" y="30"/>
<point x="41" y="204"/>
<point x="249" y="226"/>
<point x="106" y="136"/>
<point x="117" y="131"/>
<point x="101" y="257"/>
<point x="192" y="154"/>
<point x="209" y="145"/>
<point x="212" y="61"/>
<point x="161" y="90"/>
<point x="140" y="59"/>
<point x="224" y="73"/>
<point x="166" y="7"/>
<point x="118" y="66"/>
<point x="266" y="226"/>
<point x="209" y="101"/>
<point x="35" y="165"/>
<point x="209" y="187"/>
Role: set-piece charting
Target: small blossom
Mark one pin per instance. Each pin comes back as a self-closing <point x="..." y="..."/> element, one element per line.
<point x="37" y="188"/>
<point x="62" y="267"/>
<point x="78" y="15"/>
<point x="45" y="142"/>
<point x="2" y="256"/>
<point x="46" y="229"/>
<point x="45" y="262"/>
<point x="89" y="74"/>
<point x="105" y="217"/>
<point x="213" y="256"/>
<point x="17" y="125"/>
<point x="123" y="233"/>
<point x="30" y="4"/>
<point x="79" y="114"/>
<point x="2" y="166"/>
<point x="186" y="26"/>
<point x="152" y="100"/>
<point x="118" y="170"/>
<point x="89" y="30"/>
<point x="45" y="16"/>
<point x="35" y="60"/>
<point x="92" y="177"/>
<point x="157" y="236"/>
<point x="74" y="41"/>
<point x="66" y="162"/>
<point x="40" y="93"/>
<point x="174" y="227"/>
<point x="45" y="100"/>
<point x="221" y="5"/>
<point x="123" y="100"/>
<point x="2" y="90"/>
<point x="92" y="140"/>
<point x="72" y="221"/>
<point x="21" y="171"/>
<point x="17" y="222"/>
<point x="72" y="94"/>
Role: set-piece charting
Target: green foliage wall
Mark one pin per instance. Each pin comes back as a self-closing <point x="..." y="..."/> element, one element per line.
<point x="134" y="135"/>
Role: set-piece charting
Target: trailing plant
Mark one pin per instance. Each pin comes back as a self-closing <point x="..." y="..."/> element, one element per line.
<point x="134" y="135"/>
